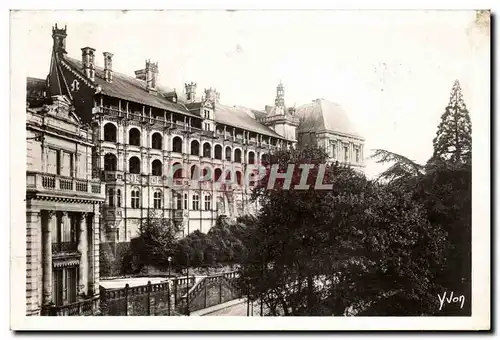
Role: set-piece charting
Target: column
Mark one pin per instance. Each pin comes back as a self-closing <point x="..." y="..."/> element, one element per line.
<point x="47" y="227"/>
<point x="33" y="261"/>
<point x="94" y="254"/>
<point x="82" y="249"/>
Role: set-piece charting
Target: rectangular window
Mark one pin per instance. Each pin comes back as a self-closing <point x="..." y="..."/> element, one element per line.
<point x="58" y="162"/>
<point x="357" y="155"/>
<point x="157" y="200"/>
<point x="346" y="153"/>
<point x="333" y="149"/>
<point x="185" y="201"/>
<point x="208" y="202"/>
<point x="135" y="199"/>
<point x="196" y="202"/>
<point x="179" y="201"/>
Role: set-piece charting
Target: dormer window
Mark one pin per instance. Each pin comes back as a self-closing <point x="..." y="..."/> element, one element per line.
<point x="206" y="114"/>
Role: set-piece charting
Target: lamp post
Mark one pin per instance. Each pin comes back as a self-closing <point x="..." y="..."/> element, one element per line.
<point x="169" y="259"/>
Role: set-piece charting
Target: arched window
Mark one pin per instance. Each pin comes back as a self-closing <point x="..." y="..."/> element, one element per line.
<point x="265" y="158"/>
<point x="110" y="162"/>
<point x="156" y="141"/>
<point x="218" y="152"/>
<point x="134" y="137"/>
<point x="207" y="150"/>
<point x="177" y="144"/>
<point x="134" y="199"/>
<point x="111" y="197"/>
<point x="110" y="132"/>
<point x="196" y="202"/>
<point x="134" y="165"/>
<point x="238" y="177"/>
<point x="208" y="202"/>
<point x="195" y="148"/>
<point x="195" y="172"/>
<point x="178" y="172"/>
<point x="157" y="200"/>
<point x="118" y="198"/>
<point x="237" y="155"/>
<point x="228" y="153"/>
<point x="251" y="157"/>
<point x="207" y="174"/>
<point x="218" y="173"/>
<point x="157" y="168"/>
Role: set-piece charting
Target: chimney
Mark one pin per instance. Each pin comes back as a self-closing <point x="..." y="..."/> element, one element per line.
<point x="88" y="62"/>
<point x="108" y="66"/>
<point x="151" y="75"/>
<point x="59" y="39"/>
<point x="212" y="95"/>
<point x="190" y="92"/>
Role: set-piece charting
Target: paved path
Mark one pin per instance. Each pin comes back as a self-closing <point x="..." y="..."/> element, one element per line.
<point x="231" y="308"/>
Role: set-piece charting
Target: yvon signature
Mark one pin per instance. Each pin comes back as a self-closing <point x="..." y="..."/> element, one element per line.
<point x="450" y="299"/>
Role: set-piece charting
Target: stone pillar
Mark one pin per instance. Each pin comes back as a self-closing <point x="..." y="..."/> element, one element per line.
<point x="33" y="261"/>
<point x="47" y="256"/>
<point x="83" y="250"/>
<point x="94" y="255"/>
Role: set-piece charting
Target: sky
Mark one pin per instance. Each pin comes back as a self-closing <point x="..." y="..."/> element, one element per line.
<point x="391" y="71"/>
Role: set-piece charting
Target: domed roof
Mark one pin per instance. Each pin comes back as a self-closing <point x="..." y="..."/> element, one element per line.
<point x="323" y="114"/>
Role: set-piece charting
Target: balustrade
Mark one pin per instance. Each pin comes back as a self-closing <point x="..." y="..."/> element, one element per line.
<point x="41" y="181"/>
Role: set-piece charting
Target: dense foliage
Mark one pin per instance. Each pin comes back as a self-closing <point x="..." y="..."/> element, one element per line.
<point x="387" y="246"/>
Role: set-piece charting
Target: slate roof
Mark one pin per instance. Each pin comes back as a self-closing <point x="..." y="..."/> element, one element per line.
<point x="321" y="115"/>
<point x="238" y="117"/>
<point x="133" y="89"/>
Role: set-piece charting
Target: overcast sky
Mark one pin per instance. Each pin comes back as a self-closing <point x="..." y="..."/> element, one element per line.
<point x="392" y="71"/>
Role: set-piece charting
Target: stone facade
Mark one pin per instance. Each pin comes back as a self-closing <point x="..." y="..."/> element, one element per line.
<point x="62" y="211"/>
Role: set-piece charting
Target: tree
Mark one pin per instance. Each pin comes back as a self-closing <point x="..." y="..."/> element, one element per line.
<point x="156" y="241"/>
<point x="319" y="252"/>
<point x="402" y="171"/>
<point x="453" y="141"/>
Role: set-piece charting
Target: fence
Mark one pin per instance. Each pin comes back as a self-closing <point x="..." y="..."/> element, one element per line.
<point x="171" y="297"/>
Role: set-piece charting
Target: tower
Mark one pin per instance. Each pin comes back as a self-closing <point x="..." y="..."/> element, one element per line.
<point x="59" y="38"/>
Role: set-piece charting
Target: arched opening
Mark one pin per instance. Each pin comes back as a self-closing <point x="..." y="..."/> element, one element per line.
<point x="134" y="137"/>
<point x="195" y="172"/>
<point x="265" y="158"/>
<point x="110" y="162"/>
<point x="178" y="173"/>
<point x="237" y="155"/>
<point x="218" y="173"/>
<point x="195" y="148"/>
<point x="251" y="157"/>
<point x="177" y="144"/>
<point x="207" y="174"/>
<point x="134" y="165"/>
<point x="157" y="168"/>
<point x="218" y="152"/>
<point x="238" y="177"/>
<point x="110" y="132"/>
<point x="228" y="153"/>
<point x="156" y="141"/>
<point x="207" y="150"/>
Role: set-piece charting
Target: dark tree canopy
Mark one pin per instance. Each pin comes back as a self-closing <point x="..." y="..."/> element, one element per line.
<point x="453" y="141"/>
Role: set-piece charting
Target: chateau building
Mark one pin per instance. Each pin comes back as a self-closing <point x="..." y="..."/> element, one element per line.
<point x="182" y="156"/>
<point x="62" y="209"/>
<point x="327" y="125"/>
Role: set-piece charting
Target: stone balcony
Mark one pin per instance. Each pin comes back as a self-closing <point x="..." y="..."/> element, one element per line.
<point x="87" y="307"/>
<point x="44" y="183"/>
